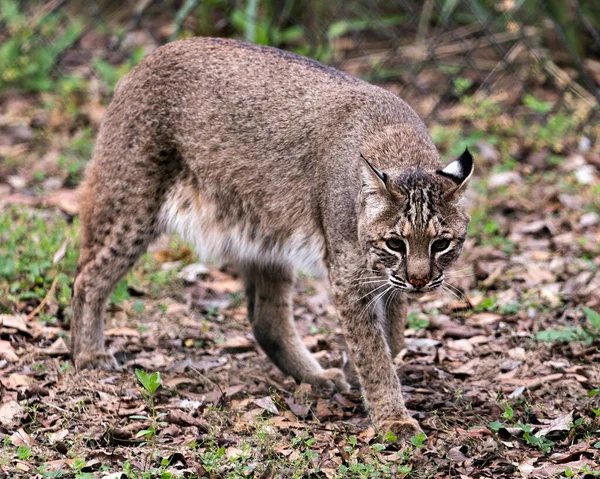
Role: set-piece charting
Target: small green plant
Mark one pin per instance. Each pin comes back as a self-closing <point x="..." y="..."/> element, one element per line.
<point x="540" y="441"/>
<point x="488" y="304"/>
<point x="77" y="467"/>
<point x="213" y="457"/>
<point x="508" y="412"/>
<point x="538" y="106"/>
<point x="414" y="320"/>
<point x="461" y="85"/>
<point x="588" y="333"/>
<point x="23" y="453"/>
<point x="419" y="440"/>
<point x="531" y="438"/>
<point x="150" y="384"/>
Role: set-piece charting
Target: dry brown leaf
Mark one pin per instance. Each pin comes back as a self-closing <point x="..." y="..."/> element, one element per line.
<point x="225" y="286"/>
<point x="22" y="466"/>
<point x="552" y="470"/>
<point x="16" y="381"/>
<point x="329" y="472"/>
<point x="467" y="368"/>
<point x="7" y="351"/>
<point x="156" y="361"/>
<point x="57" y="348"/>
<point x="16" y="322"/>
<point x="460" y="345"/>
<point x="237" y="344"/>
<point x="233" y="390"/>
<point x="267" y="404"/>
<point x="181" y="418"/>
<point x="531" y="383"/>
<point x="66" y="200"/>
<point x="122" y="331"/>
<point x="174" y="382"/>
<point x="367" y="435"/>
<point x="21" y="438"/>
<point x="10" y="411"/>
<point x="57" y="436"/>
<point x="536" y="276"/>
<point x="457" y="454"/>
<point x="60" y="254"/>
<point x="299" y="409"/>
<point x="562" y="423"/>
<point x="483" y="319"/>
<point x="176" y="309"/>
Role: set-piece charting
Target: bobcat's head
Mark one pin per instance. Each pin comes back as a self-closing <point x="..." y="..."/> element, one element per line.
<point x="412" y="224"/>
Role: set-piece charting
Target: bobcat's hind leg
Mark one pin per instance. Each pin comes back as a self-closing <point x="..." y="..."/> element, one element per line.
<point x="269" y="290"/>
<point x="116" y="229"/>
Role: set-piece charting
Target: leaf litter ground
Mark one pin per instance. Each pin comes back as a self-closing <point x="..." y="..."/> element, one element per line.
<point x="502" y="370"/>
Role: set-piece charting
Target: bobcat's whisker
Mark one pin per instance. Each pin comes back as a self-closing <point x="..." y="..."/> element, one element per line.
<point x="370" y="282"/>
<point x="452" y="293"/>
<point x="448" y="297"/>
<point x="391" y="295"/>
<point x="466" y="275"/>
<point x="370" y="292"/>
<point x="458" y="291"/>
<point x="375" y="299"/>
<point x="367" y="277"/>
<point x="461" y="269"/>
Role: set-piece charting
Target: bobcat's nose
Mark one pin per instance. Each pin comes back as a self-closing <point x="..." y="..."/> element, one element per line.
<point x="418" y="282"/>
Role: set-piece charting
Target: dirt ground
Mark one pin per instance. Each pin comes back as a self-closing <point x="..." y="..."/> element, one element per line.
<point x="493" y="399"/>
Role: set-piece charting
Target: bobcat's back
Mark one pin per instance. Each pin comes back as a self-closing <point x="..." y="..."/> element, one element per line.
<point x="251" y="142"/>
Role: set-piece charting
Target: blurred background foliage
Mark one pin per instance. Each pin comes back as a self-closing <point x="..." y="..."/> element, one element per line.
<point x="481" y="65"/>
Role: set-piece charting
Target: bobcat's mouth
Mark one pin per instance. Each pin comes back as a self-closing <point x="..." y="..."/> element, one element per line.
<point x="411" y="290"/>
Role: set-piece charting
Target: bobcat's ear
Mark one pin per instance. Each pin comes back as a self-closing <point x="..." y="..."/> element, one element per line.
<point x="459" y="171"/>
<point x="373" y="180"/>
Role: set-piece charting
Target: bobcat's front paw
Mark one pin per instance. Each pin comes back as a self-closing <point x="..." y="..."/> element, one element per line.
<point x="403" y="429"/>
<point x="96" y="360"/>
<point x="328" y="382"/>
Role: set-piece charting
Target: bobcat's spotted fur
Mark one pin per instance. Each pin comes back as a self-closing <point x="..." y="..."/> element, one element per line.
<point x="273" y="161"/>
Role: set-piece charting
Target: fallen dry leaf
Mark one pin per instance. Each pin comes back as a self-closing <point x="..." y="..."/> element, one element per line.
<point x="224" y="286"/>
<point x="16" y="381"/>
<point x="267" y="404"/>
<point x="7" y="351"/>
<point x="9" y="412"/>
<point x="16" y="322"/>
<point x="483" y="319"/>
<point x="57" y="436"/>
<point x="562" y="423"/>
<point x="122" y="331"/>
<point x="237" y="344"/>
<point x="57" y="348"/>
<point x="21" y="438"/>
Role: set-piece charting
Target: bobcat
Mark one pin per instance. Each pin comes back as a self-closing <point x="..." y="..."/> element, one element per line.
<point x="274" y="161"/>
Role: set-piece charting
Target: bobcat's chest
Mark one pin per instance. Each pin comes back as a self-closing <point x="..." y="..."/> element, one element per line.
<point x="202" y="223"/>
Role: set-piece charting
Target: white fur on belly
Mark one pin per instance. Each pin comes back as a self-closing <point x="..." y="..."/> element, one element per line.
<point x="198" y="226"/>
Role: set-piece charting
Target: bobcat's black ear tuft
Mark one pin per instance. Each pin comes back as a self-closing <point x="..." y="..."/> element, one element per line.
<point x="371" y="177"/>
<point x="460" y="170"/>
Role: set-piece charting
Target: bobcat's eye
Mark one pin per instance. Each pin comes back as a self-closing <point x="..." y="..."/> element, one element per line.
<point x="440" y="245"/>
<point x="396" y="244"/>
